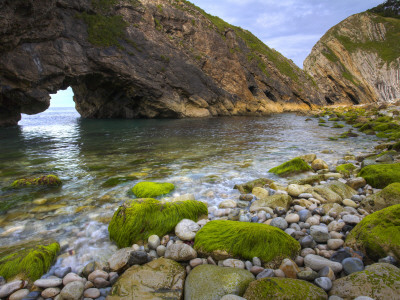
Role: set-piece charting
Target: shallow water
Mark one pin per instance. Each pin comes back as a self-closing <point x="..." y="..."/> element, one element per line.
<point x="204" y="157"/>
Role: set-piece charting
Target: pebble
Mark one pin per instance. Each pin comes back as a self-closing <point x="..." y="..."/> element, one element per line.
<point x="47" y="283"/>
<point x="327" y="272"/>
<point x="352" y="265"/>
<point x="161" y="250"/>
<point x="313" y="220"/>
<point x="324" y="283"/>
<point x="320" y="233"/>
<point x="256" y="262"/>
<point x="307" y="242"/>
<point x="389" y="260"/>
<point x="351" y="219"/>
<point x="248" y="265"/>
<point x="279" y="273"/>
<point x="50" y="292"/>
<point x="180" y="252"/>
<point x="336" y="226"/>
<point x="290" y="268"/>
<point x="364" y="298"/>
<point x="138" y="258"/>
<point x="154" y="241"/>
<point x="2" y="281"/>
<point x="351" y="203"/>
<point x="233" y="263"/>
<point x="340" y="255"/>
<point x="256" y="270"/>
<point x="186" y="229"/>
<point x="211" y="261"/>
<point x="196" y="262"/>
<point x="88" y="285"/>
<point x="228" y="204"/>
<point x="19" y="295"/>
<point x="308" y="275"/>
<point x="113" y="278"/>
<point x="304" y="214"/>
<point x="61" y="272"/>
<point x="279" y="223"/>
<point x="307" y="251"/>
<point x="101" y="282"/>
<point x="232" y="297"/>
<point x="334" y="244"/>
<point x="305" y="195"/>
<point x="336" y="235"/>
<point x="72" y="291"/>
<point x="71" y="277"/>
<point x="292" y="218"/>
<point x="92" y="293"/>
<point x="334" y="297"/>
<point x="317" y="263"/>
<point x="299" y="261"/>
<point x="266" y="273"/>
<point x="98" y="274"/>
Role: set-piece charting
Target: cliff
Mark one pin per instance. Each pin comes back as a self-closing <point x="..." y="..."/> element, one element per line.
<point x="358" y="60"/>
<point x="140" y="59"/>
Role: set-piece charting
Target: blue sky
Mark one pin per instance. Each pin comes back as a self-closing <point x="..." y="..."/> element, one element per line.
<point x="290" y="26"/>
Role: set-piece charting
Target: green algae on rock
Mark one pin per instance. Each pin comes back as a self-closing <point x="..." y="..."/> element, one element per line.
<point x="377" y="281"/>
<point x="159" y="279"/>
<point x="246" y="240"/>
<point x="380" y="176"/>
<point x="46" y="180"/>
<point x="389" y="196"/>
<point x="246" y="188"/>
<point x="118" y="180"/>
<point x="137" y="219"/>
<point x="28" y="260"/>
<point x="294" y="166"/>
<point x="346" y="169"/>
<point x="213" y="282"/>
<point x="152" y="189"/>
<point x="378" y="234"/>
<point x="283" y="289"/>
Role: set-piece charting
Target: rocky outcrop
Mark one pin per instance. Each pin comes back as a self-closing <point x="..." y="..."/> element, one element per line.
<point x="140" y="59"/>
<point x="358" y="60"/>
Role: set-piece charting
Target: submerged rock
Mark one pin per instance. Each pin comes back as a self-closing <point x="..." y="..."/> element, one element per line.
<point x="47" y="180"/>
<point x="152" y="189"/>
<point x="246" y="188"/>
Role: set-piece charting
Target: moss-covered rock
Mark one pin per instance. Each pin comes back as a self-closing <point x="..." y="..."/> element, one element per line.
<point x="378" y="234"/>
<point x="246" y="188"/>
<point x="279" y="200"/>
<point x="343" y="190"/>
<point x="212" y="282"/>
<point x="380" y="176"/>
<point x="118" y="180"/>
<point x="377" y="281"/>
<point x="137" y="219"/>
<point x="294" y="166"/>
<point x="246" y="240"/>
<point x="152" y="189"/>
<point x="389" y="196"/>
<point x="309" y="180"/>
<point x="346" y="169"/>
<point x="28" y="260"/>
<point x="46" y="180"/>
<point x="283" y="289"/>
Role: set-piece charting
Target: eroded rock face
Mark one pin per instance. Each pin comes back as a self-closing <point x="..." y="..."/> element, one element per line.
<point x="140" y="59"/>
<point x="358" y="61"/>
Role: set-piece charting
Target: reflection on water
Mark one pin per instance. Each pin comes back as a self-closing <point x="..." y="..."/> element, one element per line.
<point x="206" y="157"/>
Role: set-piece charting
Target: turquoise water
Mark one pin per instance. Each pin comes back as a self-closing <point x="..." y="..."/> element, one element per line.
<point x="204" y="157"/>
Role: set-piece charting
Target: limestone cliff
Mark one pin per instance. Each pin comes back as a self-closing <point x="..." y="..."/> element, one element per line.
<point x="140" y="59"/>
<point x="358" y="60"/>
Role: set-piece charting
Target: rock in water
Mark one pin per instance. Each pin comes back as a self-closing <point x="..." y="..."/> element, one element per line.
<point x="95" y="45"/>
<point x="160" y="279"/>
<point x="283" y="288"/>
<point x="212" y="282"/>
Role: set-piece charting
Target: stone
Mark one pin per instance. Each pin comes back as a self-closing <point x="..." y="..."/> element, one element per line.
<point x="90" y="267"/>
<point x="91" y="293"/>
<point x="389" y="196"/>
<point x="154" y="241"/>
<point x="256" y="270"/>
<point x="50" y="292"/>
<point x="295" y="190"/>
<point x="389" y="259"/>
<point x="232" y="297"/>
<point x="70" y="277"/>
<point x="334" y="244"/>
<point x="213" y="282"/>
<point x="278" y="200"/>
<point x="186" y="229"/>
<point x="256" y="261"/>
<point x="299" y="261"/>
<point x="180" y="252"/>
<point x="260" y="193"/>
<point x="319" y="164"/>
<point x="336" y="226"/>
<point x="324" y="283"/>
<point x="138" y="258"/>
<point x="228" y="204"/>
<point x="101" y="283"/>
<point x="19" y="295"/>
<point x="317" y="263"/>
<point x="327" y="272"/>
<point x="307" y="242"/>
<point x="47" y="283"/>
<point x="340" y="255"/>
<point x="290" y="268"/>
<point x="159" y="279"/>
<point x="378" y="281"/>
<point x="305" y="195"/>
<point x="304" y="215"/>
<point x="98" y="274"/>
<point x="266" y="273"/>
<point x="279" y="273"/>
<point x="292" y="218"/>
<point x="320" y="233"/>
<point x="351" y="203"/>
<point x="61" y="272"/>
<point x="279" y="223"/>
<point x="161" y="250"/>
<point x="233" y="263"/>
<point x="73" y="290"/>
<point x="246" y="188"/>
<point x="283" y="288"/>
<point x="352" y="265"/>
<point x="308" y="275"/>
<point x="196" y="262"/>
<point x="351" y="219"/>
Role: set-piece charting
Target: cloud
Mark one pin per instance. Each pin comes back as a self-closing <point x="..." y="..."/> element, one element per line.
<point x="290" y="26"/>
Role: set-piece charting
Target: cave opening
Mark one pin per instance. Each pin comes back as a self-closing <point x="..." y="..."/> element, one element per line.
<point x="62" y="99"/>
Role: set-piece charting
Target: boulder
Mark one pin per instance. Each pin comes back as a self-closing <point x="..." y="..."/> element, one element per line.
<point x="72" y="291"/>
<point x="291" y="167"/>
<point x="283" y="289"/>
<point x="319" y="164"/>
<point x="389" y="196"/>
<point x="346" y="169"/>
<point x="213" y="282"/>
<point x="334" y="192"/>
<point x="380" y="176"/>
<point x="343" y="190"/>
<point x="295" y="190"/>
<point x="378" y="234"/>
<point x="277" y="200"/>
<point x="308" y="158"/>
<point x="186" y="229"/>
<point x="246" y="240"/>
<point x="138" y="219"/>
<point x="159" y="279"/>
<point x="260" y="193"/>
<point x="152" y="189"/>
<point x="28" y="260"/>
<point x="246" y="188"/>
<point x="377" y="281"/>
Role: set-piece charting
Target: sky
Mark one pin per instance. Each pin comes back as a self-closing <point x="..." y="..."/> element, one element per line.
<point x="290" y="26"/>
